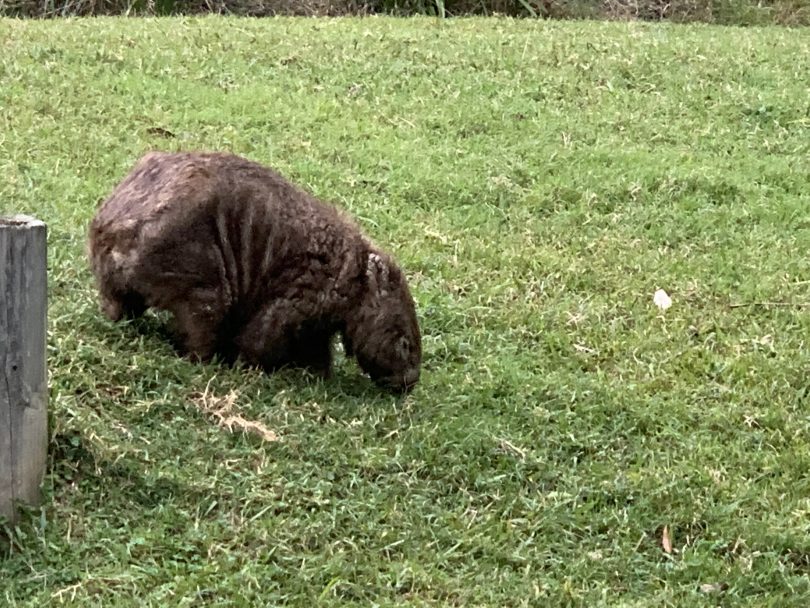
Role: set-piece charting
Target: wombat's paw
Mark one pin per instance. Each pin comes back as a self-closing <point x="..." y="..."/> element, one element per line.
<point x="112" y="309"/>
<point x="198" y="353"/>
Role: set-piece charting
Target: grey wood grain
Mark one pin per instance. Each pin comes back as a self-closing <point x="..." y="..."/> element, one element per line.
<point x="23" y="379"/>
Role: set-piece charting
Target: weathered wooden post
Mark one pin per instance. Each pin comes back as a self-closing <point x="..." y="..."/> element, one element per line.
<point x="23" y="381"/>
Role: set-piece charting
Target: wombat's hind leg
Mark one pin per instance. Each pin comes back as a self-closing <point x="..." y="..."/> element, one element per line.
<point x="122" y="306"/>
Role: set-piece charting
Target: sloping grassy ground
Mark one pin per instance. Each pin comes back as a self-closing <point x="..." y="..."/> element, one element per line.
<point x="538" y="181"/>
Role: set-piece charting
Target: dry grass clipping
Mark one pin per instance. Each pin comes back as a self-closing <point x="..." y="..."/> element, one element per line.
<point x="222" y="410"/>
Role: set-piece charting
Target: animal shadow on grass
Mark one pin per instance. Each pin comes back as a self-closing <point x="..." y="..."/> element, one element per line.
<point x="75" y="469"/>
<point x="153" y="328"/>
<point x="74" y="463"/>
<point x="346" y="379"/>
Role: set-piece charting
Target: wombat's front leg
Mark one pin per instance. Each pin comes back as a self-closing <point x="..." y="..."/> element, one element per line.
<point x="312" y="350"/>
<point x="198" y="325"/>
<point x="278" y="336"/>
<point x="116" y="306"/>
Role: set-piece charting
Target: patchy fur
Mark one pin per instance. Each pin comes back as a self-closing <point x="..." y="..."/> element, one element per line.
<point x="251" y="267"/>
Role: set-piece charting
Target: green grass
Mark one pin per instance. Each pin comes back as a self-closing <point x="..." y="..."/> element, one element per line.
<point x="538" y="181"/>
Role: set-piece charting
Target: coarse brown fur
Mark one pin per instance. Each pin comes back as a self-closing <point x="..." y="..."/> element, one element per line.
<point x="251" y="267"/>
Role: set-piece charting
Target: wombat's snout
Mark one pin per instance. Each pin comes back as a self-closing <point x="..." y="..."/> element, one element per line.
<point x="401" y="383"/>
<point x="411" y="378"/>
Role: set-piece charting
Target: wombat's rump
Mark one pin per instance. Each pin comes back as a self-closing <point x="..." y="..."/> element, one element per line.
<point x="251" y="267"/>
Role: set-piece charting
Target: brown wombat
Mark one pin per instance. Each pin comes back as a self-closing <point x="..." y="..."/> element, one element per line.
<point x="252" y="268"/>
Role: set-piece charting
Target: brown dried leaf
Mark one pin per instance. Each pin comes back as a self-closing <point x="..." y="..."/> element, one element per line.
<point x="666" y="542"/>
<point x="510" y="448"/>
<point x="160" y="131"/>
<point x="221" y="408"/>
<point x="713" y="587"/>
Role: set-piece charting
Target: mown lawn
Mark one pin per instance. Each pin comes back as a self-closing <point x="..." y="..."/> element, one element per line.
<point x="538" y="182"/>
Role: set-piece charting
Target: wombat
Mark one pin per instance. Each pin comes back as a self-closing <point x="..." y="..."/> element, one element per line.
<point x="251" y="267"/>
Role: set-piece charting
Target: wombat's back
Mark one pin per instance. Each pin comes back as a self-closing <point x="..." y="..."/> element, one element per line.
<point x="164" y="182"/>
<point x="183" y="222"/>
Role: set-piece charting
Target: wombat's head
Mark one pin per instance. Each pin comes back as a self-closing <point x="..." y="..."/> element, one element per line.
<point x="383" y="332"/>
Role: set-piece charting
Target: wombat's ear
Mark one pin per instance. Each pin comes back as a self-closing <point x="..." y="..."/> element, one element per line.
<point x="377" y="273"/>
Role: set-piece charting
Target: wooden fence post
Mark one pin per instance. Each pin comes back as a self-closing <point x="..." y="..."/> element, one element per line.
<point x="23" y="380"/>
